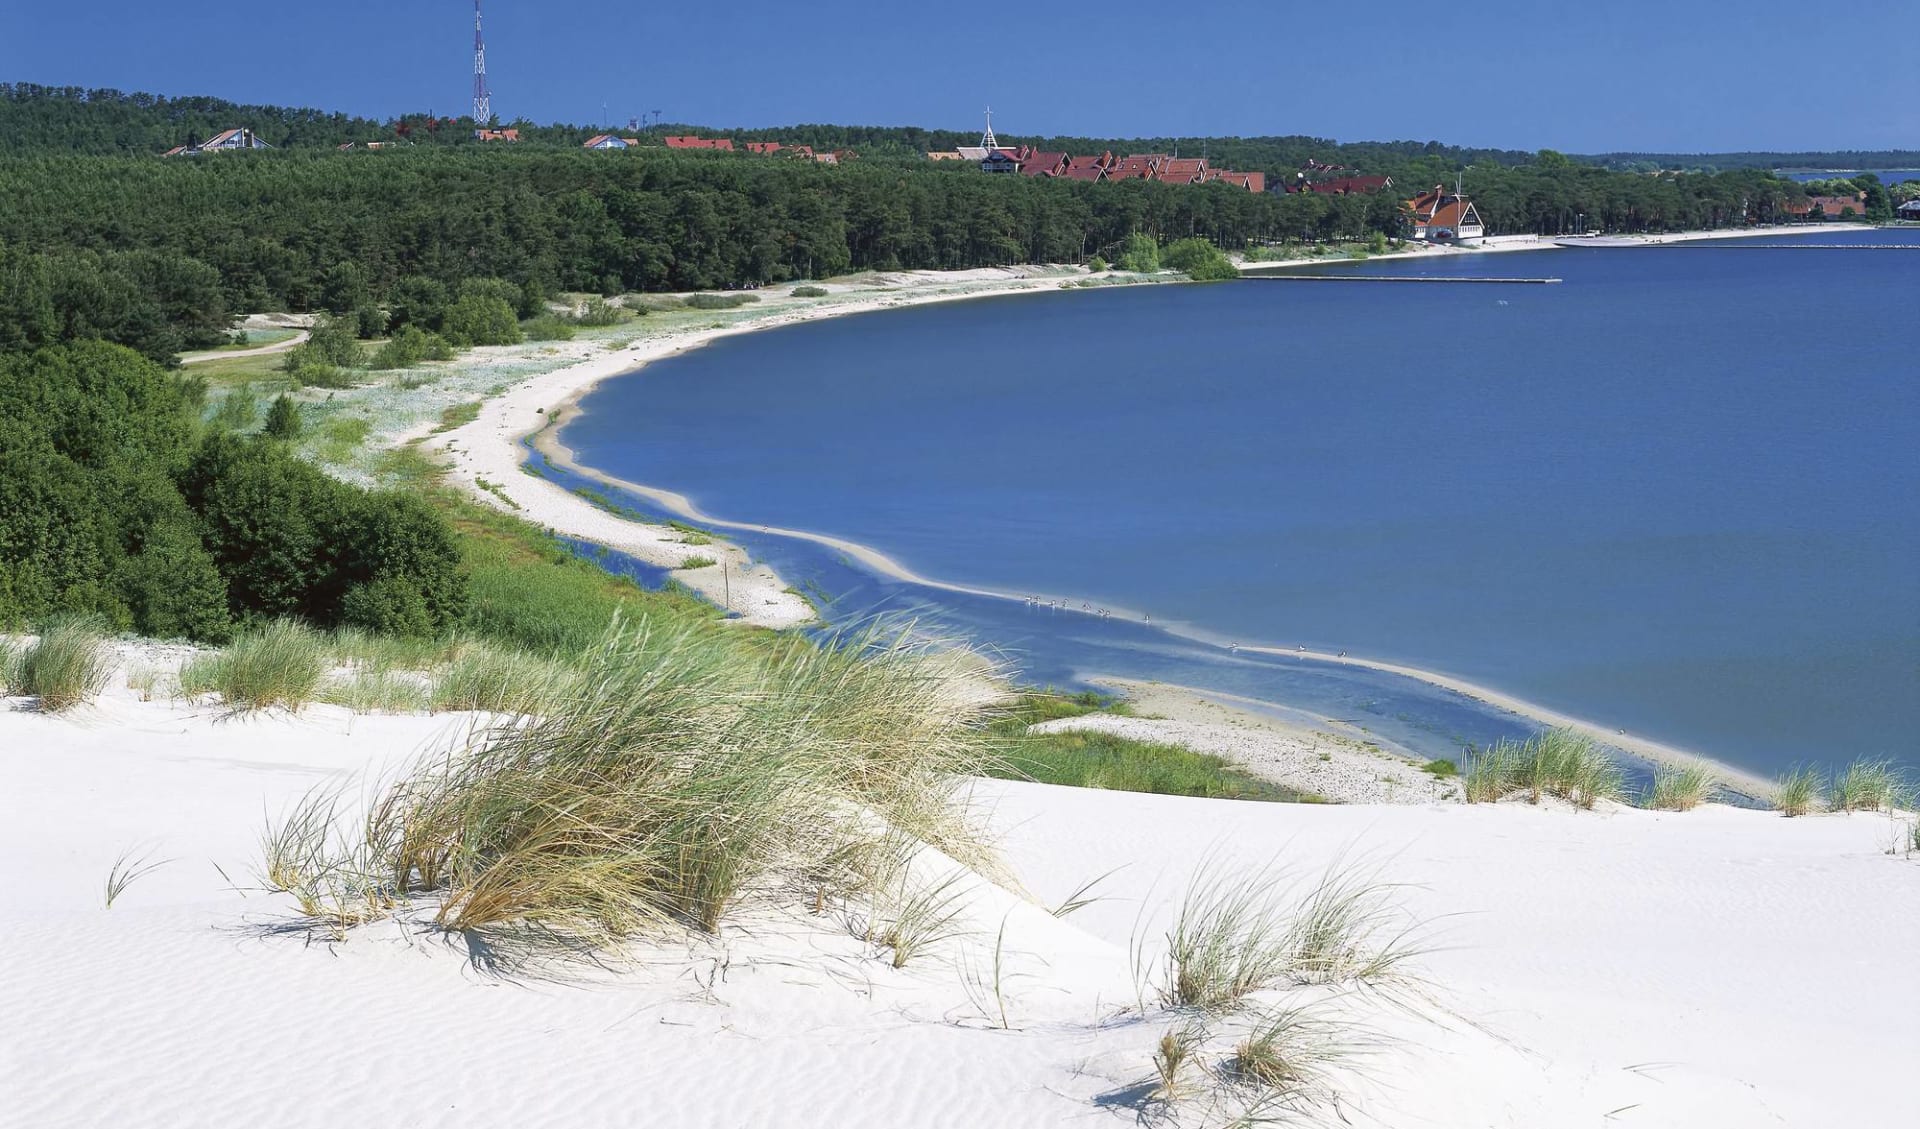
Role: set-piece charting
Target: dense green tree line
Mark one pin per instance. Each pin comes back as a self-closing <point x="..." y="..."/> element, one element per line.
<point x="114" y="501"/>
<point x="154" y="253"/>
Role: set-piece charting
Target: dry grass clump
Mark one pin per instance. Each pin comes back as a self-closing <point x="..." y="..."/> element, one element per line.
<point x="1288" y="1053"/>
<point x="1228" y="940"/>
<point x="1349" y="928"/>
<point x="1800" y="792"/>
<point x="66" y="667"/>
<point x="378" y="690"/>
<point x="280" y="665"/>
<point x="488" y="679"/>
<point x="676" y="773"/>
<point x="334" y="878"/>
<point x="1236" y="934"/>
<point x="9" y="665"/>
<point x="1557" y="762"/>
<point x="1681" y="788"/>
<point x="1867" y="785"/>
<point x="1178" y="1049"/>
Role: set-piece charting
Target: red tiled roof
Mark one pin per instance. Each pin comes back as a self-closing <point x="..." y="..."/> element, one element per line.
<point x="725" y="143"/>
<point x="1085" y="172"/>
<point x="1349" y="185"/>
<point x="1043" y="164"/>
<point x="763" y="146"/>
<point x="1100" y="162"/>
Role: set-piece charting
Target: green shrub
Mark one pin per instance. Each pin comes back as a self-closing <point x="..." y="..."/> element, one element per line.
<point x="547" y="327"/>
<point x="238" y="410"/>
<point x="369" y="322"/>
<point x="598" y="312"/>
<point x="280" y="665"/>
<point x="390" y="606"/>
<point x="1142" y="254"/>
<point x="410" y="345"/>
<point x="476" y="319"/>
<point x="809" y="292"/>
<point x="66" y="666"/>
<point x="171" y="587"/>
<point x="1199" y="259"/>
<point x="283" y="419"/>
<point x="1097" y="264"/>
<point x="317" y="374"/>
<point x="332" y="341"/>
<point x="1440" y="768"/>
<point x="732" y="301"/>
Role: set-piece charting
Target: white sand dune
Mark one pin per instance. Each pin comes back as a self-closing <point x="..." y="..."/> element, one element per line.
<point x="1715" y="968"/>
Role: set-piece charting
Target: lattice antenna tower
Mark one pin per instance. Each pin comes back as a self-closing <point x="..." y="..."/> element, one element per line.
<point x="482" y="97"/>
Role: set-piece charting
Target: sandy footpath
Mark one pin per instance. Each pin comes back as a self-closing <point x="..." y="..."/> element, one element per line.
<point x="1619" y="969"/>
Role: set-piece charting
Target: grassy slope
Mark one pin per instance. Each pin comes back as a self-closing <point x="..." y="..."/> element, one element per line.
<point x="1103" y="760"/>
<point x="528" y="590"/>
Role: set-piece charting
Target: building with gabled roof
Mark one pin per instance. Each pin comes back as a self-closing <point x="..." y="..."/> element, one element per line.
<point x="1251" y="181"/>
<point x="721" y="143"/>
<point x="605" y="141"/>
<point x="1343" y="186"/>
<point x="1139" y="166"/>
<point x="1440" y="216"/>
<point x="496" y="135"/>
<point x="1036" y="163"/>
<point x="226" y="141"/>
<point x="1181" y="170"/>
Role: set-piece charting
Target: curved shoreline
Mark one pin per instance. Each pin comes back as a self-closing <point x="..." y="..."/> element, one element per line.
<point x="1646" y="748"/>
<point x="537" y="409"/>
<point x="486" y="456"/>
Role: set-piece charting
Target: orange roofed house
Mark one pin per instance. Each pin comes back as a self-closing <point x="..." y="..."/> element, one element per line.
<point x="1440" y="216"/>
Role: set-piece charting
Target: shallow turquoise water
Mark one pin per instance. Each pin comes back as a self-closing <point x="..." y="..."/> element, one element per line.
<point x="1674" y="493"/>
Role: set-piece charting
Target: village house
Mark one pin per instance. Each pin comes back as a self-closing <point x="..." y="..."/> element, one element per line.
<point x="1034" y="163"/>
<point x="226" y="141"/>
<point x="1909" y="210"/>
<point x="1341" y="186"/>
<point x="1828" y="206"/>
<point x="1251" y="181"/>
<point x="496" y="135"/>
<point x="605" y="141"/>
<point x="1001" y="161"/>
<point x="722" y="143"/>
<point x="1440" y="216"/>
<point x="1088" y="168"/>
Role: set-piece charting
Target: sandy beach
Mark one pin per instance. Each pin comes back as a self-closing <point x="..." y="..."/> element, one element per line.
<point x="1715" y="968"/>
<point x="491" y="450"/>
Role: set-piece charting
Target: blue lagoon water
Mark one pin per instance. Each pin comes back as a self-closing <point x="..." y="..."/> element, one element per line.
<point x="1675" y="493"/>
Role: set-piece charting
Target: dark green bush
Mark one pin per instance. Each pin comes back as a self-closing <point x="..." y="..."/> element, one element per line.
<point x="409" y="346"/>
<point x="719" y="301"/>
<point x="547" y="327"/>
<point x="478" y="319"/>
<point x="283" y="419"/>
<point x="809" y="292"/>
<point x="599" y="312"/>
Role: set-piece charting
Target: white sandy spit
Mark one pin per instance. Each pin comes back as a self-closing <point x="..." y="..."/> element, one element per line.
<point x="1714" y="968"/>
<point x="490" y="448"/>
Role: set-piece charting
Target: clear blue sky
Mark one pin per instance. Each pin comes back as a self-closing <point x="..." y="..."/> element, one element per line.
<point x="1673" y="75"/>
